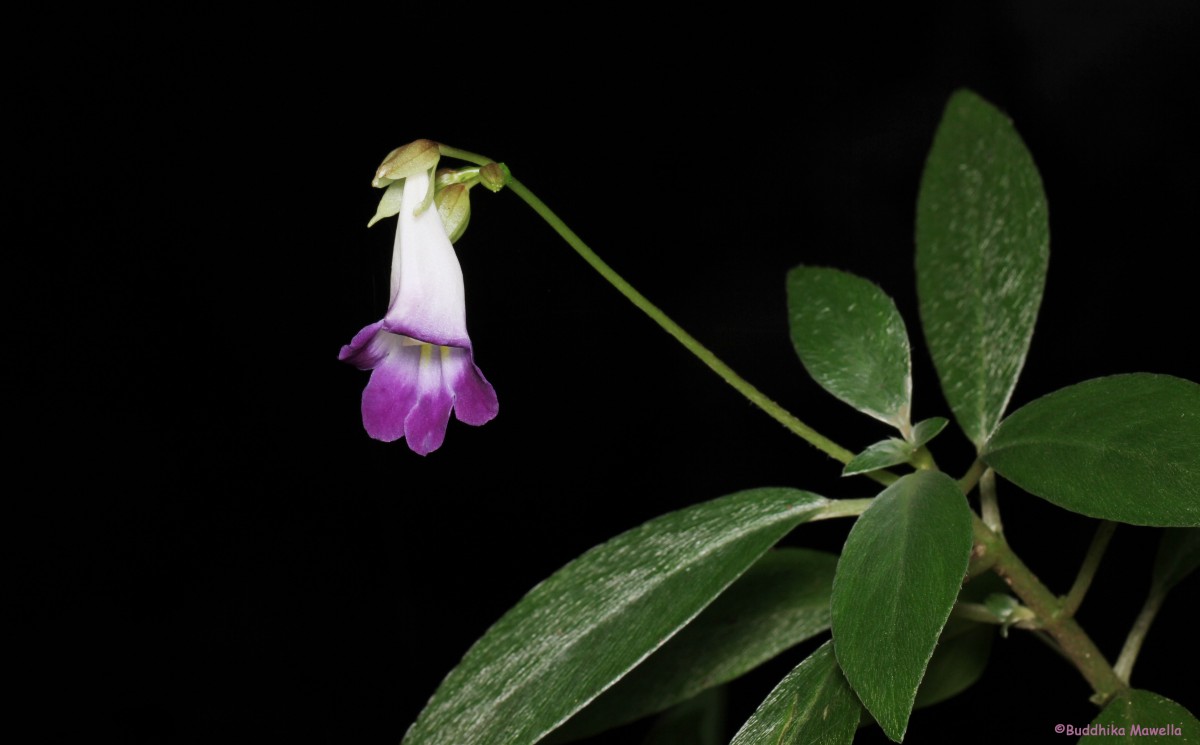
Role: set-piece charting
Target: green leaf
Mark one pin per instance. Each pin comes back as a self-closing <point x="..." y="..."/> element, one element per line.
<point x="697" y="721"/>
<point x="889" y="452"/>
<point x="983" y="242"/>
<point x="852" y="341"/>
<point x="959" y="660"/>
<point x="894" y="451"/>
<point x="778" y="603"/>
<point x="593" y="620"/>
<point x="926" y="430"/>
<point x="1178" y="556"/>
<point x="897" y="580"/>
<point x="1124" y="448"/>
<point x="963" y="648"/>
<point x="813" y="705"/>
<point x="1138" y="716"/>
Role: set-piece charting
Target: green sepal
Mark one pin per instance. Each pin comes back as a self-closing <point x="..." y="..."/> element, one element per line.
<point x="406" y="160"/>
<point x="389" y="203"/>
<point x="454" y="209"/>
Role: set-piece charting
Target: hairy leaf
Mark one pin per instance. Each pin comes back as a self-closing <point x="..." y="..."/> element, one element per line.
<point x="852" y="340"/>
<point x="813" y="705"/>
<point x="1125" y="448"/>
<point x="897" y="580"/>
<point x="983" y="243"/>
<point x="778" y="603"/>
<point x="592" y="621"/>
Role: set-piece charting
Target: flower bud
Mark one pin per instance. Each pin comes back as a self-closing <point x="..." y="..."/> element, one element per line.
<point x="454" y="207"/>
<point x="416" y="156"/>
<point x="494" y="176"/>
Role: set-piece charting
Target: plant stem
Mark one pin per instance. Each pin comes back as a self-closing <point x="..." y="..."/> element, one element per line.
<point x="971" y="477"/>
<point x="842" y="508"/>
<point x="1044" y="638"/>
<point x="467" y="155"/>
<point x="980" y="562"/>
<point x="988" y="505"/>
<point x="757" y="397"/>
<point x="1072" y="639"/>
<point x="1091" y="562"/>
<point x="1133" y="642"/>
<point x="923" y="459"/>
<point x="991" y="548"/>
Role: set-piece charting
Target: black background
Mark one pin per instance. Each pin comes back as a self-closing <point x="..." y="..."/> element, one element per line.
<point x="221" y="554"/>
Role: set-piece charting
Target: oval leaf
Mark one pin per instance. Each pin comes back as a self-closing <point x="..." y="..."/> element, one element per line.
<point x="593" y="620"/>
<point x="1138" y="716"/>
<point x="781" y="601"/>
<point x="813" y="705"/>
<point x="852" y="341"/>
<point x="896" y="582"/>
<point x="983" y="243"/>
<point x="1124" y="448"/>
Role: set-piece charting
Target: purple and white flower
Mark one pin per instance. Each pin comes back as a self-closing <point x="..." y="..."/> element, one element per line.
<point x="420" y="358"/>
